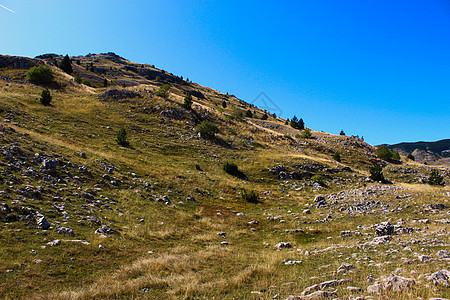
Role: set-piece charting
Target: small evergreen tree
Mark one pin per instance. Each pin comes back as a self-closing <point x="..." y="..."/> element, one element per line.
<point x="78" y="78"/>
<point x="342" y="132"/>
<point x="46" y="97"/>
<point x="163" y="91"/>
<point x="436" y="178"/>
<point x="376" y="173"/>
<point x="395" y="155"/>
<point x="411" y="157"/>
<point x="249" y="114"/>
<point x="337" y="156"/>
<point x="105" y="82"/>
<point x="264" y="117"/>
<point x="122" y="138"/>
<point x="224" y="104"/>
<point x="297" y="124"/>
<point x="66" y="65"/>
<point x="188" y="101"/>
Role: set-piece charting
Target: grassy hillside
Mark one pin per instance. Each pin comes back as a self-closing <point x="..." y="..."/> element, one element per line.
<point x="161" y="219"/>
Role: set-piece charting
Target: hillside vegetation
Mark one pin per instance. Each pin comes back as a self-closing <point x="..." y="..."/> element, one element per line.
<point x="136" y="183"/>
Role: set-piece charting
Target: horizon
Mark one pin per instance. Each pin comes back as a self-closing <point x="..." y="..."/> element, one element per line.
<point x="376" y="69"/>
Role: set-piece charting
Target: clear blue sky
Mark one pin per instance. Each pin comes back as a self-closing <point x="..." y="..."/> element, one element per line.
<point x="374" y="68"/>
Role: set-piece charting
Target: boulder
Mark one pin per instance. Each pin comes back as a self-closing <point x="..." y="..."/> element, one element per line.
<point x="42" y="221"/>
<point x="391" y="283"/>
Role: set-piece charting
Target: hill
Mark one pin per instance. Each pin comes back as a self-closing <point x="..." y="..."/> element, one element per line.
<point x="430" y="152"/>
<point x="254" y="210"/>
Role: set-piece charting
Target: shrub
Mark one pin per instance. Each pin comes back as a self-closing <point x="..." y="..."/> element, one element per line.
<point x="46" y="97"/>
<point x="306" y="134"/>
<point x="288" y="137"/>
<point x="249" y="114"/>
<point x="383" y="152"/>
<point x="207" y="129"/>
<point x="40" y="75"/>
<point x="197" y="167"/>
<point x="411" y="157"/>
<point x="187" y="101"/>
<point x="78" y="78"/>
<point x="264" y="117"/>
<point x="122" y="138"/>
<point x="319" y="179"/>
<point x="232" y="169"/>
<point x="342" y="132"/>
<point x="376" y="173"/>
<point x="105" y="82"/>
<point x="86" y="82"/>
<point x="337" y="156"/>
<point x="163" y="91"/>
<point x="436" y="178"/>
<point x="251" y="197"/>
<point x="395" y="155"/>
<point x="224" y="104"/>
<point x="66" y="65"/>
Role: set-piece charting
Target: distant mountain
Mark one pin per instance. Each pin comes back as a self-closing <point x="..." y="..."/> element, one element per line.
<point x="438" y="151"/>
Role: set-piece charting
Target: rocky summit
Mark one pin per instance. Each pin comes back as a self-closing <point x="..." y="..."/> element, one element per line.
<point x="120" y="180"/>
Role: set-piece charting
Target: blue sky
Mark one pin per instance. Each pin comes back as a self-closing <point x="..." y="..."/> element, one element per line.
<point x="374" y="68"/>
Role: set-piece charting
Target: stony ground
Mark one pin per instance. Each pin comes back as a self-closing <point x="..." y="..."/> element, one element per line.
<point x="82" y="217"/>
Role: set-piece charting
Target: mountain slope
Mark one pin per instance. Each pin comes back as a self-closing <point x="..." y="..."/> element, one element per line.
<point x="438" y="152"/>
<point x="161" y="219"/>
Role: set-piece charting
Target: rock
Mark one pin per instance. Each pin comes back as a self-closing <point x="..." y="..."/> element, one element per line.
<point x="380" y="240"/>
<point x="166" y="200"/>
<point x="54" y="243"/>
<point x="315" y="295"/>
<point x="443" y="254"/>
<point x="391" y="283"/>
<point x="306" y="212"/>
<point x="42" y="221"/>
<point x="64" y="230"/>
<point x="323" y="285"/>
<point x="346" y="233"/>
<point x="425" y="258"/>
<point x="354" y="289"/>
<point x="190" y="199"/>
<point x="106" y="230"/>
<point x="441" y="277"/>
<point x="384" y="228"/>
<point x="319" y="198"/>
<point x="293" y="262"/>
<point x="222" y="233"/>
<point x="224" y="243"/>
<point x="344" y="268"/>
<point x="282" y="245"/>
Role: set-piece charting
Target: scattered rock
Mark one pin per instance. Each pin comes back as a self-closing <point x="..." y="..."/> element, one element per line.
<point x="441" y="277"/>
<point x="384" y="228"/>
<point x="282" y="245"/>
<point x="391" y="283"/>
<point x="54" y="243"/>
<point x="315" y="295"/>
<point x="42" y="221"/>
<point x="106" y="230"/>
<point x="64" y="230"/>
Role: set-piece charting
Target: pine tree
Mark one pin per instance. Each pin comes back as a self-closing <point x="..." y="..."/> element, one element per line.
<point x="66" y="65"/>
<point x="122" y="138"/>
<point x="188" y="101"/>
<point x="46" y="97"/>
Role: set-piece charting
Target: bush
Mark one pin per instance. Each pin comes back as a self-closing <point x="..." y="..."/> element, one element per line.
<point x="264" y="117"/>
<point x="122" y="138"/>
<point x="40" y="75"/>
<point x="395" y="155"/>
<point x="46" y="97"/>
<point x="224" y="104"/>
<point x="207" y="129"/>
<point x="337" y="156"/>
<point x="251" y="197"/>
<point x="78" y="78"/>
<point x="306" y="134"/>
<point x="383" y="152"/>
<point x="231" y="168"/>
<point x="411" y="157"/>
<point x="319" y="179"/>
<point x="163" y="91"/>
<point x="249" y="114"/>
<point x="435" y="178"/>
<point x="342" y="132"/>
<point x="188" y="101"/>
<point x="376" y="173"/>
<point x="105" y="82"/>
